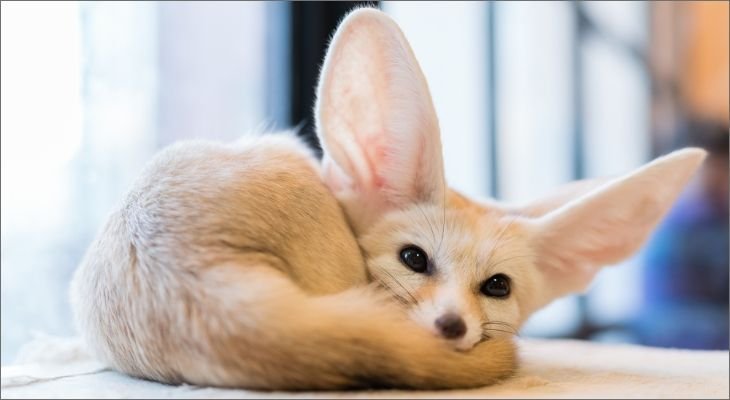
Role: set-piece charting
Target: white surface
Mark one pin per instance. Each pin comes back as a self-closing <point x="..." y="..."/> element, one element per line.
<point x="55" y="367"/>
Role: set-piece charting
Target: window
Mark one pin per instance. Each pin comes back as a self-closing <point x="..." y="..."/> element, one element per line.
<point x="86" y="101"/>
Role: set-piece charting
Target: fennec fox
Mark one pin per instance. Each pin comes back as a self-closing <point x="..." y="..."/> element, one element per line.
<point x="252" y="265"/>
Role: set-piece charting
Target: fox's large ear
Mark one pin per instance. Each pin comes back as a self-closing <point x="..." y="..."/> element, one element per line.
<point x="376" y="120"/>
<point x="607" y="224"/>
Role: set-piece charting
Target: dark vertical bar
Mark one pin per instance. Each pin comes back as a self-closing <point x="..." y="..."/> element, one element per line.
<point x="278" y="60"/>
<point x="578" y="133"/>
<point x="492" y="98"/>
<point x="313" y="23"/>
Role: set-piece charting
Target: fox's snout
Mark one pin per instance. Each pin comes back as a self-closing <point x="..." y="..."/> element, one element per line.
<point x="451" y="326"/>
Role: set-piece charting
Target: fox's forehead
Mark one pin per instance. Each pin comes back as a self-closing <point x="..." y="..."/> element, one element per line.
<point x="487" y="221"/>
<point x="481" y="240"/>
<point x="460" y="234"/>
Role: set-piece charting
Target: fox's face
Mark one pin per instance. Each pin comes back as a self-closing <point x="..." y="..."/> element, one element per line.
<point x="468" y="270"/>
<point x="462" y="271"/>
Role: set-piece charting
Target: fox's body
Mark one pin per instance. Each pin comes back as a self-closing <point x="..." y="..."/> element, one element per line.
<point x="213" y="272"/>
<point x="254" y="265"/>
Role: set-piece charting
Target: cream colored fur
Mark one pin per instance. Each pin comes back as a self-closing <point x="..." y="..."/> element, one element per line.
<point x="249" y="265"/>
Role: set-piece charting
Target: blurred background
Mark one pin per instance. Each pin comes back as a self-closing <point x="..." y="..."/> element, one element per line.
<point x="530" y="95"/>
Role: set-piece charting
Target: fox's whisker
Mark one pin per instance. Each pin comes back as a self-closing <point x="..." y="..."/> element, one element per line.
<point x="428" y="221"/>
<point x="500" y="330"/>
<point x="394" y="294"/>
<point x="408" y="292"/>
<point x="500" y="237"/>
<point x="443" y="223"/>
<point x="498" y="323"/>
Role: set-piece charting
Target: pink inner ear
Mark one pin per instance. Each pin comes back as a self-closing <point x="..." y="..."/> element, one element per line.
<point x="375" y="150"/>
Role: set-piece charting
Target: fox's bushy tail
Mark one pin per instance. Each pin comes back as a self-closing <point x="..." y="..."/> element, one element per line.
<point x="252" y="327"/>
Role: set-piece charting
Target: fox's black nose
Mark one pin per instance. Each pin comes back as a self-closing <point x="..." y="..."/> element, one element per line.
<point x="451" y="326"/>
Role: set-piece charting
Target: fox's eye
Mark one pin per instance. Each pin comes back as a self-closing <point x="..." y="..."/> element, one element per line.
<point x="414" y="258"/>
<point x="496" y="286"/>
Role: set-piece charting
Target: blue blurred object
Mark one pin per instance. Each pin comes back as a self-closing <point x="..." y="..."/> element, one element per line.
<point x="685" y="275"/>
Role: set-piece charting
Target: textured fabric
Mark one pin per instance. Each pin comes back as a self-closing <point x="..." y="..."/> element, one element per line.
<point x="58" y="367"/>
